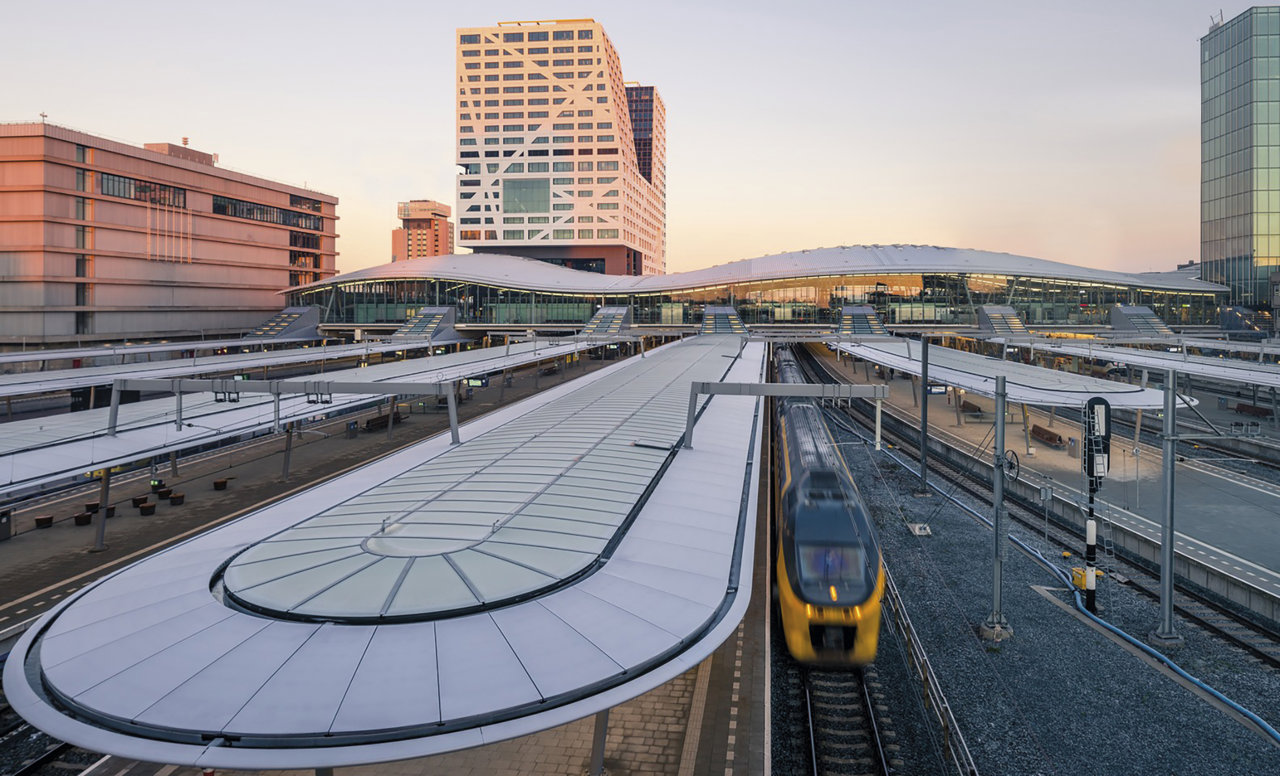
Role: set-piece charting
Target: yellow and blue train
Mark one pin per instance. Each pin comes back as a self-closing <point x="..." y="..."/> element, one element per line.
<point x="829" y="571"/>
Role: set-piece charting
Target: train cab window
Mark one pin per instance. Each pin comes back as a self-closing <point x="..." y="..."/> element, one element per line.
<point x="842" y="566"/>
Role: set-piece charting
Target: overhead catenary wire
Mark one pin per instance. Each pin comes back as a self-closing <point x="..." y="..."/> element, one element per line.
<point x="1062" y="577"/>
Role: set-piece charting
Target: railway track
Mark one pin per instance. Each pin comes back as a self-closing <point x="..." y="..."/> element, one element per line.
<point x="1260" y="641"/>
<point x="58" y="758"/>
<point x="1204" y="450"/>
<point x="844" y="733"/>
<point x="25" y="751"/>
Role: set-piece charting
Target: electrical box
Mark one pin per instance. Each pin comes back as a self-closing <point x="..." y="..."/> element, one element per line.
<point x="1077" y="576"/>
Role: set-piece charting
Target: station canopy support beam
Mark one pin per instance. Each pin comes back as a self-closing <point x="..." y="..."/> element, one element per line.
<point x="316" y="391"/>
<point x="811" y="390"/>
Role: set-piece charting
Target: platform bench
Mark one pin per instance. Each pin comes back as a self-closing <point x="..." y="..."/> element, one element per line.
<point x="1048" y="436"/>
<point x="378" y="422"/>
<point x="1252" y="409"/>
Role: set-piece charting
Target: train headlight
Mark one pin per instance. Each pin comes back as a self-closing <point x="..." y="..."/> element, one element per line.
<point x="808" y="610"/>
<point x="857" y="612"/>
<point x="833" y="592"/>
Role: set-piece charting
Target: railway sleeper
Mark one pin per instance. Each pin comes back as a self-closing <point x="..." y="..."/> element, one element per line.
<point x="853" y="709"/>
<point x="849" y="762"/>
<point x="844" y="732"/>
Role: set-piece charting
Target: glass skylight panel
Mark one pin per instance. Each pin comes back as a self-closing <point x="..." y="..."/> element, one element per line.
<point x="353" y="594"/>
<point x="287" y="592"/>
<point x="502" y="515"/>
<point x="495" y="578"/>
<point x="430" y="583"/>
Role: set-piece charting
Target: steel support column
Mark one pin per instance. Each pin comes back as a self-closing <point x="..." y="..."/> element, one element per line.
<point x="996" y="626"/>
<point x="177" y="411"/>
<point x="104" y="496"/>
<point x="452" y="401"/>
<point x="924" y="417"/>
<point x="879" y="407"/>
<point x="1026" y="427"/>
<point x="288" y="451"/>
<point x="1164" y="633"/>
<point x="113" y="414"/>
<point x="597" y="743"/>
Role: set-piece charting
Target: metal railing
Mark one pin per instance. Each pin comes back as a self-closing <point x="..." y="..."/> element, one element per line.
<point x="931" y="691"/>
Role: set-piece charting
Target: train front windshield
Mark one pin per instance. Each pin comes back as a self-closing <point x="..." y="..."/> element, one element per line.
<point x="837" y="570"/>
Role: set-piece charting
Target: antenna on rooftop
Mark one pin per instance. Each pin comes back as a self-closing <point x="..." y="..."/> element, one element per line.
<point x="43" y="116"/>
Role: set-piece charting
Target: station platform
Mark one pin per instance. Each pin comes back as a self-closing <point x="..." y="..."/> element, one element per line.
<point x="1224" y="518"/>
<point x="666" y="547"/>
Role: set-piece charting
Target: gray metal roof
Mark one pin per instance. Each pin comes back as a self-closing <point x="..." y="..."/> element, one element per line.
<point x="1024" y="383"/>
<point x="1227" y="369"/>
<point x="40" y="450"/>
<point x="1237" y="346"/>
<point x="23" y="383"/>
<point x="519" y="273"/>
<point x="126" y="351"/>
<point x="151" y="660"/>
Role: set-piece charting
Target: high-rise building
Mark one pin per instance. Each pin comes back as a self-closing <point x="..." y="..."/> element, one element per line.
<point x="100" y="240"/>
<point x="553" y="163"/>
<point x="1240" y="154"/>
<point x="425" y="230"/>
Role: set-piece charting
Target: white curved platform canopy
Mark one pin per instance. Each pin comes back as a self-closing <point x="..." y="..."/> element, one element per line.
<point x="566" y="557"/>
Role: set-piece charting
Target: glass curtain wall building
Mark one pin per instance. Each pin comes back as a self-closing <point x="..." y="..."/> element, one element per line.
<point x="1240" y="154"/>
<point x="804" y="288"/>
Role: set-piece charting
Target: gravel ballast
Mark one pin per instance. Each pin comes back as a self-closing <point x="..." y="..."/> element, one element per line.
<point x="1059" y="697"/>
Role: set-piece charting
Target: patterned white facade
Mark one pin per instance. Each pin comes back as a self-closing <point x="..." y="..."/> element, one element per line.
<point x="547" y="150"/>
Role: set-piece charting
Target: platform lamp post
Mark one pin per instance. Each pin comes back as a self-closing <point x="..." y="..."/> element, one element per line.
<point x="996" y="627"/>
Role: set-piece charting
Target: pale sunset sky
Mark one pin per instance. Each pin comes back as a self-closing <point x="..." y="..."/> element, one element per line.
<point x="1064" y="131"/>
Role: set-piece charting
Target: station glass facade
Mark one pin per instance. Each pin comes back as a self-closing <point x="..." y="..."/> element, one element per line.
<point x="937" y="299"/>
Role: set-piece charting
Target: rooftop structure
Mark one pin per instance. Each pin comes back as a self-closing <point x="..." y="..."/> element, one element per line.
<point x="101" y="240"/>
<point x="905" y="284"/>
<point x="553" y="163"/>
<point x="425" y="230"/>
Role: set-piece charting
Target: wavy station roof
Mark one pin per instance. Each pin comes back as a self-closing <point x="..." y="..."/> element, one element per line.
<point x="567" y="556"/>
<point x="527" y="274"/>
